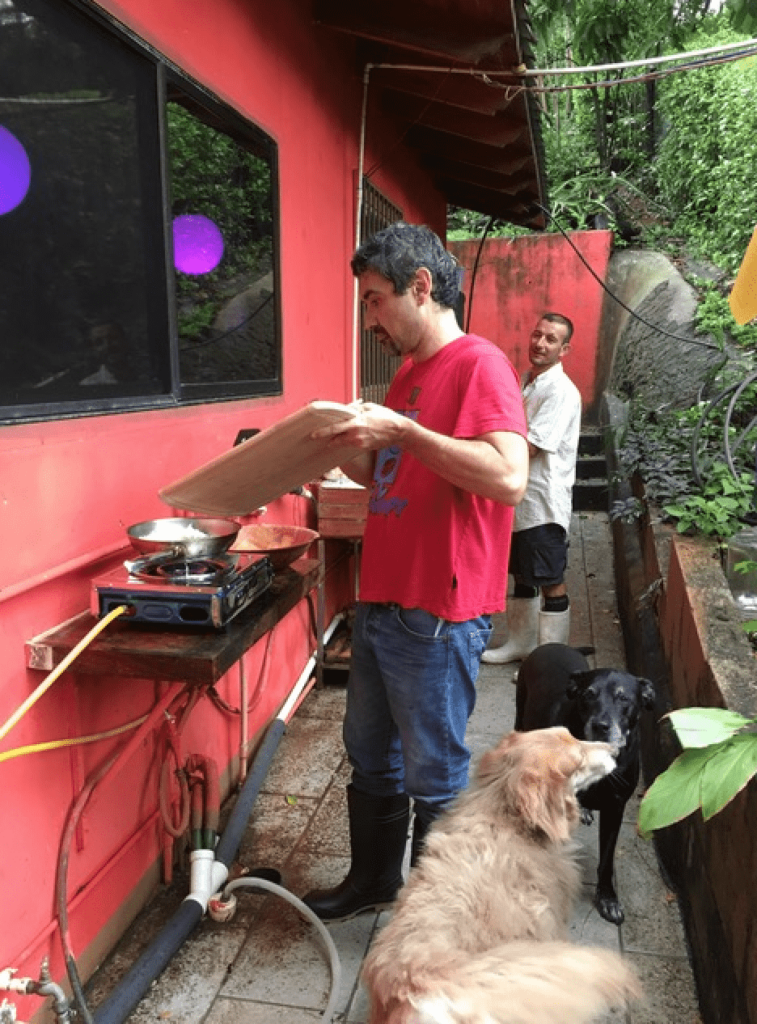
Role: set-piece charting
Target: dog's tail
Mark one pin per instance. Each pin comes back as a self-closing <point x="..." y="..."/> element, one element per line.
<point x="524" y="983"/>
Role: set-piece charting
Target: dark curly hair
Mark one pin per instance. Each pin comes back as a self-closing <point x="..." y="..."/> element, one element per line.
<point x="398" y="251"/>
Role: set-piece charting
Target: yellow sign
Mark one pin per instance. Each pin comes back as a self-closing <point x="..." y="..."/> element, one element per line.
<point x="743" y="297"/>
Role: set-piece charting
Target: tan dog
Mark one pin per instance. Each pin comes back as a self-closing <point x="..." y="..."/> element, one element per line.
<point x="478" y="933"/>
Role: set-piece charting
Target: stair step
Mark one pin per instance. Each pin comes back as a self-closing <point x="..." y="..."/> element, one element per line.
<point x="590" y="443"/>
<point x="591" y="467"/>
<point x="591" y="495"/>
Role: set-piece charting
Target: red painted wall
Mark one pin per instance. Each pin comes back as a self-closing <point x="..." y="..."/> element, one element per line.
<point x="517" y="279"/>
<point x="69" y="489"/>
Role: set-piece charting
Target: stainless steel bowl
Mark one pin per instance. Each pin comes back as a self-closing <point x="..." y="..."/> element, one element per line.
<point x="189" y="537"/>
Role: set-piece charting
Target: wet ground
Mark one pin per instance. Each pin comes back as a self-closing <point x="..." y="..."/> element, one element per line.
<point x="267" y="965"/>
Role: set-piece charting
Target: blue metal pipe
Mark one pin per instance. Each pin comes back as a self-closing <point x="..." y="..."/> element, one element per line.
<point x="135" y="983"/>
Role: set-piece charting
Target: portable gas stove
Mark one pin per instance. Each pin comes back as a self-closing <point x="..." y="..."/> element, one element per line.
<point x="162" y="589"/>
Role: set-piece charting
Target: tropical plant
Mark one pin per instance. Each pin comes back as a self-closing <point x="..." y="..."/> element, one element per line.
<point x="719" y="758"/>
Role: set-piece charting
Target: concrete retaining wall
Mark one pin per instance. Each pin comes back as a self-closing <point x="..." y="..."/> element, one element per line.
<point x="683" y="631"/>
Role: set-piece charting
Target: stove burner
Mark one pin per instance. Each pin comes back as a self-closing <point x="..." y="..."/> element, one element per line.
<point x="195" y="570"/>
<point x="182" y="572"/>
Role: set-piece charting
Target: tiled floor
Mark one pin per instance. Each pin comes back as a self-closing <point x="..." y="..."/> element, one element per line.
<point x="268" y="966"/>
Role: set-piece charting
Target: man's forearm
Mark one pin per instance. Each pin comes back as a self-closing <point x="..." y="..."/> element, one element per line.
<point x="493" y="466"/>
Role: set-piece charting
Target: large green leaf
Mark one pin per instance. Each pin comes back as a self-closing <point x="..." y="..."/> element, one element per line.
<point x="701" y="727"/>
<point x="676" y="793"/>
<point x="727" y="772"/>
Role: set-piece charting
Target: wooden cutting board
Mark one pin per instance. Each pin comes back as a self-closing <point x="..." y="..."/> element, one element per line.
<point x="261" y="469"/>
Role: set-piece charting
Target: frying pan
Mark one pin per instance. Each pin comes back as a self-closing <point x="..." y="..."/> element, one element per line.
<point x="186" y="538"/>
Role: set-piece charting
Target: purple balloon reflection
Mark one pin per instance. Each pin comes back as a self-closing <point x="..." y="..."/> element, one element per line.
<point x="197" y="244"/>
<point x="15" y="171"/>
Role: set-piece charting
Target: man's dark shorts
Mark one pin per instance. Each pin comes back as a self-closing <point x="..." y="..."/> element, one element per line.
<point x="539" y="556"/>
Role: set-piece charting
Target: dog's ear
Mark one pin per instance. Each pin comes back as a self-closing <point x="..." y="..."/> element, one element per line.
<point x="577" y="681"/>
<point x="547" y="804"/>
<point x="490" y="765"/>
<point x="543" y="792"/>
<point x="647" y="693"/>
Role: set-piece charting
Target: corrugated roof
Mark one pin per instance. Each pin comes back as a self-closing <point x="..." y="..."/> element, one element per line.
<point x="476" y="133"/>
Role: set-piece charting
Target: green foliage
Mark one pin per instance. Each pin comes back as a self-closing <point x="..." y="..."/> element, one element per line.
<point x="714" y="316"/>
<point x="743" y="15"/>
<point x="465" y="224"/>
<point x="706" y="159"/>
<point x="655" y="159"/>
<point x="718" y="760"/>
<point x="705" y="496"/>
<point x="720" y="509"/>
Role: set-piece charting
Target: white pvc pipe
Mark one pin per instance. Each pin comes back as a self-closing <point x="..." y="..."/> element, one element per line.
<point x="206" y="876"/>
<point x="358" y="219"/>
<point x="299" y="686"/>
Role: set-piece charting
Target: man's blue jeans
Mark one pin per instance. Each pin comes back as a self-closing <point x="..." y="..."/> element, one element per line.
<point x="411" y="691"/>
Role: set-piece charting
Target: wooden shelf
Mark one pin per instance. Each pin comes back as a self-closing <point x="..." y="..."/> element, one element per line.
<point x="191" y="655"/>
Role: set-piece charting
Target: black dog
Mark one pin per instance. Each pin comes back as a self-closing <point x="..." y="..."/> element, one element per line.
<point x="555" y="686"/>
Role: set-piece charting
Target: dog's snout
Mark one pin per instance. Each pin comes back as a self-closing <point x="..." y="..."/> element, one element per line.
<point x="606" y="730"/>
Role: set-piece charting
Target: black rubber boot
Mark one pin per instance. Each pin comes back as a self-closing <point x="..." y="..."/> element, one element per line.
<point x="420" y="830"/>
<point x="378" y="836"/>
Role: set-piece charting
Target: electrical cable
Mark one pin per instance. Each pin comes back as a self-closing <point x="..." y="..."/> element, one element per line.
<point x="650" y="76"/>
<point x="36" y="748"/>
<point x="635" y="315"/>
<point x="285" y="894"/>
<point x="48" y="681"/>
<point x="694" y="448"/>
<point x="474" y="272"/>
<point x="74" y="816"/>
<point x="641" y="62"/>
<point x="726" y="423"/>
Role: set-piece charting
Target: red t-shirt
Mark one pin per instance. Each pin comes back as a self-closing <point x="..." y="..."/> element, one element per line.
<point x="427" y="543"/>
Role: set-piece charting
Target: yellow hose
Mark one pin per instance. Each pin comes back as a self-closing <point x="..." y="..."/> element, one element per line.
<point x="48" y="681"/>
<point x="75" y="741"/>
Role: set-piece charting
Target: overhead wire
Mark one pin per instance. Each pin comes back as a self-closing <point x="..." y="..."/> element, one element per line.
<point x="640" y="62"/>
<point x="616" y="298"/>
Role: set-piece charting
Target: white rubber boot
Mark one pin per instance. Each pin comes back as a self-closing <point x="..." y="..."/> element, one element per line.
<point x="554" y="627"/>
<point x="523" y="628"/>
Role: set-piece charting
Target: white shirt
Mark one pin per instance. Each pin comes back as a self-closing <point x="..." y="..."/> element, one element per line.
<point x="553" y="413"/>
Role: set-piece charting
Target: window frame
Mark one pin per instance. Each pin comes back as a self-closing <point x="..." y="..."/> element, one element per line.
<point x="169" y="77"/>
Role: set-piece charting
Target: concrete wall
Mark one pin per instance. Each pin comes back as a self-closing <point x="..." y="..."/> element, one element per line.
<point x="513" y="280"/>
<point x="682" y="630"/>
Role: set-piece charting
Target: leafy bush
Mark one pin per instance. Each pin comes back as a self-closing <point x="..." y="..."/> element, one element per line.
<point x="720" y="509"/>
<point x="681" y="456"/>
<point x="706" y="159"/>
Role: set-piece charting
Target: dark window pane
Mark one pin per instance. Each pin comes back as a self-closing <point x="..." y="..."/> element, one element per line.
<point x="83" y="308"/>
<point x="223" y="230"/>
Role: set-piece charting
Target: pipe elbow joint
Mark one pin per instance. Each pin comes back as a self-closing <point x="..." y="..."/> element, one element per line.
<point x="207" y="876"/>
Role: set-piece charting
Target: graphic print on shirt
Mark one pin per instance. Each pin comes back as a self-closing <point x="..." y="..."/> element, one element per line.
<point x="388" y="462"/>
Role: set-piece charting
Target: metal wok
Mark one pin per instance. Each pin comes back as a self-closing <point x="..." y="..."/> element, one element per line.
<point x="185" y="538"/>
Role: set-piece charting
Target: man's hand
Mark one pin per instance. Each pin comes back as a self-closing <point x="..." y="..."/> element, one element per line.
<point x="494" y="465"/>
<point x="373" y="427"/>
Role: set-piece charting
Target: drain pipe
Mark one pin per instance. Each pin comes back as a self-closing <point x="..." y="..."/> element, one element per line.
<point x="209" y="870"/>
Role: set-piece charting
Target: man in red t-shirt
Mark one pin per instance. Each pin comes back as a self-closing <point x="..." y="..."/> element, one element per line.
<point x="446" y="459"/>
